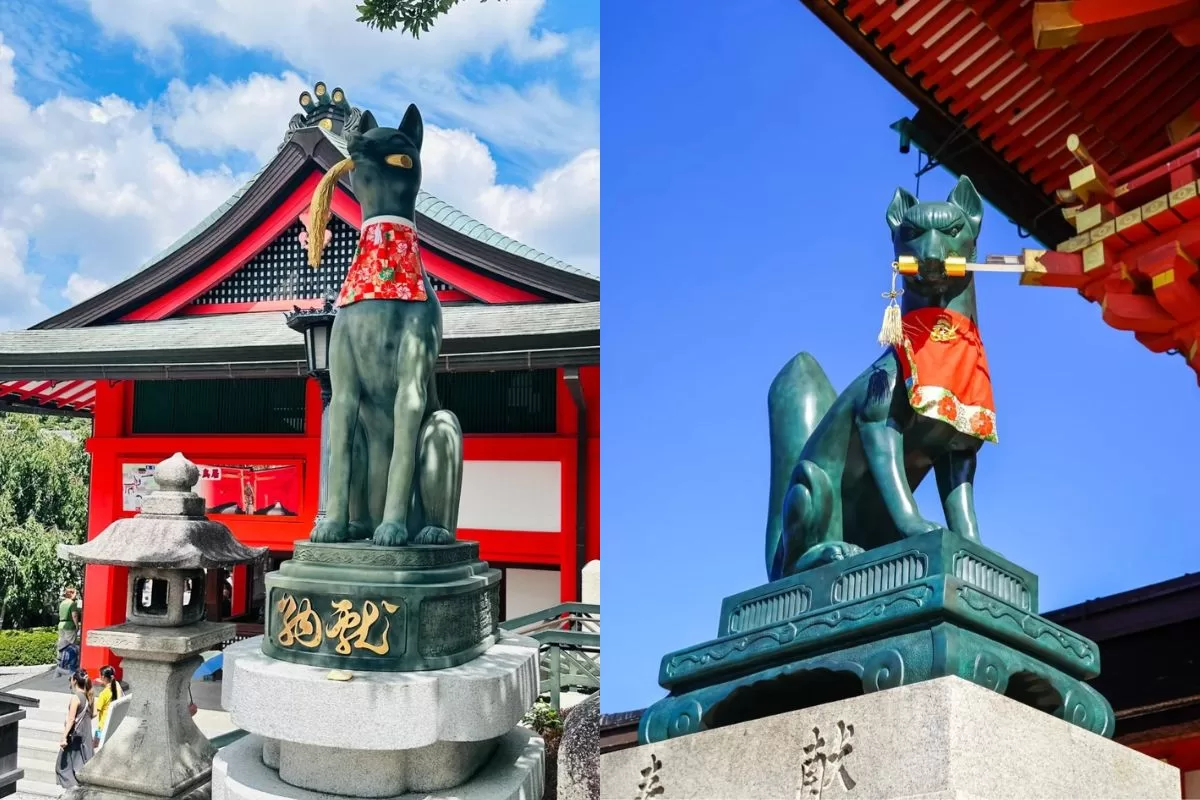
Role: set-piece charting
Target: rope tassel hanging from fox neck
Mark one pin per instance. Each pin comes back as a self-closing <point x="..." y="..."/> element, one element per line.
<point x="892" y="332"/>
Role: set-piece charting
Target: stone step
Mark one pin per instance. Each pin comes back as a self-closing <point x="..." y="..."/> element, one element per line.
<point x="38" y="750"/>
<point x="52" y="708"/>
<point x="51" y="714"/>
<point x="37" y="773"/>
<point x="38" y="736"/>
<point x="40" y="789"/>
<point x="39" y="729"/>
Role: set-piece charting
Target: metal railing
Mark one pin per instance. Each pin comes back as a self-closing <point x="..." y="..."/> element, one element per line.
<point x="569" y="639"/>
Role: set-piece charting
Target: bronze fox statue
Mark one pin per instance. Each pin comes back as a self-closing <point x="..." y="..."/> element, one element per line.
<point x="843" y="468"/>
<point x="395" y="456"/>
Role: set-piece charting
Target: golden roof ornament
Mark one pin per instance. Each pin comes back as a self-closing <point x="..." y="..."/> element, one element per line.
<point x="325" y="109"/>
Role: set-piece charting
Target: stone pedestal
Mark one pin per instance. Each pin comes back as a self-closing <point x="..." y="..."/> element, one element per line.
<point x="923" y="608"/>
<point x="157" y="751"/>
<point x="514" y="772"/>
<point x="940" y="739"/>
<point x="381" y="734"/>
<point x="361" y="607"/>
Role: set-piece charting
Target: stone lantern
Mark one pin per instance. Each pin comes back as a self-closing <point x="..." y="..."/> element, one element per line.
<point x="158" y="750"/>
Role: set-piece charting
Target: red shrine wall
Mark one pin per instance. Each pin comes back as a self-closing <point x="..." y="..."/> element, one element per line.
<point x="1181" y="752"/>
<point x="520" y="497"/>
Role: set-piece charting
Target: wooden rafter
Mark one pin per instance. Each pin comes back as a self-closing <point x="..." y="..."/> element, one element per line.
<point x="1062" y="24"/>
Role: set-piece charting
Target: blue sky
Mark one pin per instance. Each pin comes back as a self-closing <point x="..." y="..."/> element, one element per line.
<point x="130" y="120"/>
<point x="748" y="168"/>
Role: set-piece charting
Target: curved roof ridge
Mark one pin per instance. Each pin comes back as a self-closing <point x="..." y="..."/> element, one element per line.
<point x="427" y="204"/>
<point x="200" y="226"/>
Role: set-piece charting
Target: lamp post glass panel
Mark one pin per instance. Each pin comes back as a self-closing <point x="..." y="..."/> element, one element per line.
<point x="316" y="324"/>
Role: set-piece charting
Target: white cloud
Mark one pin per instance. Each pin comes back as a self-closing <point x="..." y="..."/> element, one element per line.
<point x="319" y="36"/>
<point x="386" y="70"/>
<point x="81" y="287"/>
<point x="88" y="182"/>
<point x="559" y="214"/>
<point x="18" y="288"/>
<point x="587" y="59"/>
<point x="218" y="117"/>
<point x="99" y="185"/>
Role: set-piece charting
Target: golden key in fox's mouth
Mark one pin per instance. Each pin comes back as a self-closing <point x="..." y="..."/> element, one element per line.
<point x="958" y="267"/>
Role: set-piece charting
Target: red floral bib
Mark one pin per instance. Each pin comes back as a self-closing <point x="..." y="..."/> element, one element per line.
<point x="386" y="265"/>
<point x="946" y="371"/>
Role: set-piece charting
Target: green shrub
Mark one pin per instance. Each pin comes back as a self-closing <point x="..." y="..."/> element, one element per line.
<point x="543" y="719"/>
<point x="29" y="648"/>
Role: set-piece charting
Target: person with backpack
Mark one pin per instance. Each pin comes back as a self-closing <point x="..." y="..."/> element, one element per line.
<point x="76" y="749"/>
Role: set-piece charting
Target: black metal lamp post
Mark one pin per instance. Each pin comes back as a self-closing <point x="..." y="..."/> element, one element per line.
<point x="317" y="324"/>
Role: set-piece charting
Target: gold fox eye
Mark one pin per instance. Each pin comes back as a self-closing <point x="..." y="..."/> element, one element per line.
<point x="400" y="160"/>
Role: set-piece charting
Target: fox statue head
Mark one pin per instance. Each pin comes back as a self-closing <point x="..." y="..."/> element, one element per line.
<point x="386" y="178"/>
<point x="932" y="232"/>
<point x="387" y="165"/>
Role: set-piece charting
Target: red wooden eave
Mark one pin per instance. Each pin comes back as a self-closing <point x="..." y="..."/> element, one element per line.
<point x="978" y="58"/>
<point x="68" y="395"/>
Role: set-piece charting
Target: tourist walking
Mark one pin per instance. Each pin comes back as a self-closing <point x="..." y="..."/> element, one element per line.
<point x="108" y="695"/>
<point x="68" y="618"/>
<point x="76" y="746"/>
<point x="67" y="650"/>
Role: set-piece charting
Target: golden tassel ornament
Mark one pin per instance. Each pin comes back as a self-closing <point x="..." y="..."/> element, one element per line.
<point x="319" y="210"/>
<point x="892" y="332"/>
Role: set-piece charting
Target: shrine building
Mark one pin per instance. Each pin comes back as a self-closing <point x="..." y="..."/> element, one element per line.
<point x="191" y="353"/>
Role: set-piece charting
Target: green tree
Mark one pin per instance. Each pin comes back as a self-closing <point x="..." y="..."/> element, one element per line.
<point x="43" y="502"/>
<point x="413" y="16"/>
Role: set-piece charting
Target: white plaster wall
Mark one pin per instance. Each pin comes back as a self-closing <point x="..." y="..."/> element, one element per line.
<point x="591" y="582"/>
<point x="1191" y="785"/>
<point x="530" y="590"/>
<point x="511" y="496"/>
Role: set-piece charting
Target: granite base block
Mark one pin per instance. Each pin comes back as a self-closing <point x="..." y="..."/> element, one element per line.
<point x="514" y="772"/>
<point x="477" y="701"/>
<point x="381" y="773"/>
<point x="941" y="738"/>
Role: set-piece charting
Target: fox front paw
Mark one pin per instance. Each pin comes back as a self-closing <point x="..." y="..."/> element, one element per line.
<point x="432" y="534"/>
<point x="330" y="531"/>
<point x="920" y="527"/>
<point x="826" y="553"/>
<point x="391" y="534"/>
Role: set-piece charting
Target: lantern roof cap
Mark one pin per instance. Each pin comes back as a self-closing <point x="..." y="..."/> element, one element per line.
<point x="171" y="532"/>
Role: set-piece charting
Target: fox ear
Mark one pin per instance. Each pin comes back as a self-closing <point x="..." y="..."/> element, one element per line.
<point x="412" y="126"/>
<point x="367" y="122"/>
<point x="902" y="201"/>
<point x="967" y="198"/>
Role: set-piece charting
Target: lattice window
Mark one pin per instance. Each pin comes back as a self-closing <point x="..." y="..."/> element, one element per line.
<point x="241" y="406"/>
<point x="508" y="401"/>
<point x="281" y="271"/>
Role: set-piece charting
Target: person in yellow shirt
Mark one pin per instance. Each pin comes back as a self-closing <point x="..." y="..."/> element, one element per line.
<point x="111" y="692"/>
